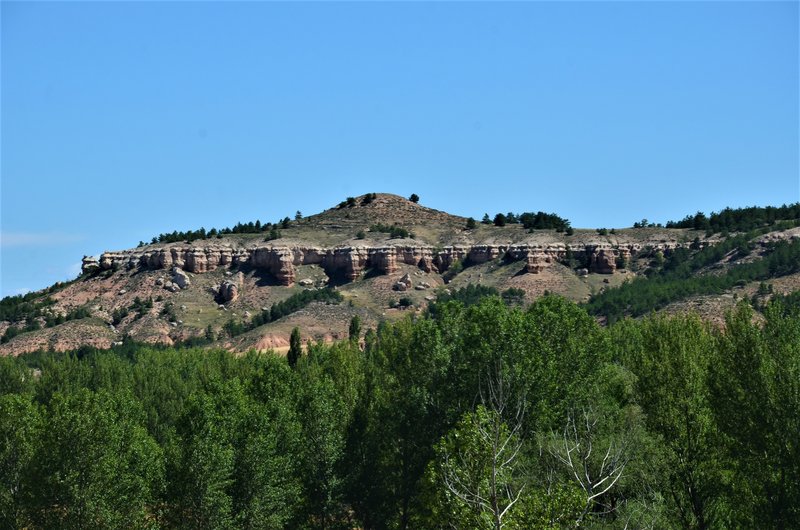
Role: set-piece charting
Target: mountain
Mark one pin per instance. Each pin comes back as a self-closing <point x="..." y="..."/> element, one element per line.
<point x="381" y="256"/>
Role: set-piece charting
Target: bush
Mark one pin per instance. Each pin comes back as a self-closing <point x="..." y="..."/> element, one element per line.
<point x="454" y="269"/>
<point x="394" y="231"/>
<point x="273" y="234"/>
<point x="414" y="198"/>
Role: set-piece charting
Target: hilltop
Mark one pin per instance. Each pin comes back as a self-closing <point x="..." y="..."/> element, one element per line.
<point x="380" y="257"/>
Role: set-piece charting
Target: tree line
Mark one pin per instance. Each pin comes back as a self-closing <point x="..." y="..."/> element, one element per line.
<point x="530" y="221"/>
<point x="487" y="416"/>
<point x="252" y="227"/>
<point x="740" y="219"/>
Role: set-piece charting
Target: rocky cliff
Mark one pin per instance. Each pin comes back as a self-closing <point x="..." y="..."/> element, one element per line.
<point x="348" y="263"/>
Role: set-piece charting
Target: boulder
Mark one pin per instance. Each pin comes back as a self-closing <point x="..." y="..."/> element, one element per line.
<point x="228" y="291"/>
<point x="181" y="278"/>
<point x="403" y="284"/>
<point x="306" y="282"/>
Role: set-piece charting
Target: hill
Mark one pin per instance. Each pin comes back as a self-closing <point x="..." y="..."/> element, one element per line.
<point x="380" y="257"/>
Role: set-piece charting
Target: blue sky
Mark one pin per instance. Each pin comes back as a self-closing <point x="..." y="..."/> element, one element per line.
<point x="124" y="120"/>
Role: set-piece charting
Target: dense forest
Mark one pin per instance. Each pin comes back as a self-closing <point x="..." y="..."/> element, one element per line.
<point x="486" y="416"/>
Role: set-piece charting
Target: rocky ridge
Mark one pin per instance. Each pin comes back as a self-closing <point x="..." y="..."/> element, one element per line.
<point x="349" y="262"/>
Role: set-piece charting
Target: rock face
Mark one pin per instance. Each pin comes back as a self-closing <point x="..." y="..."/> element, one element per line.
<point x="228" y="292"/>
<point x="180" y="278"/>
<point x="349" y="262"/>
<point x="90" y="264"/>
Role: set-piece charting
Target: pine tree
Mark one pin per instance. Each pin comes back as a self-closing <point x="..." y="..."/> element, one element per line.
<point x="295" y="348"/>
<point x="355" y="328"/>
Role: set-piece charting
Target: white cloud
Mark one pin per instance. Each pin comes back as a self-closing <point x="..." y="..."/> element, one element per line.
<point x="30" y="239"/>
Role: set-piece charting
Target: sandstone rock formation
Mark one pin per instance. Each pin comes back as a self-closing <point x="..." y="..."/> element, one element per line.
<point x="228" y="291"/>
<point x="180" y="278"/>
<point x="350" y="262"/>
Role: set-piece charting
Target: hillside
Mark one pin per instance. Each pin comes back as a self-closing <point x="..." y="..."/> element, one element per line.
<point x="380" y="257"/>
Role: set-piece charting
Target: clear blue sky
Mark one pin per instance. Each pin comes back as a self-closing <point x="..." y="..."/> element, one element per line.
<point x="124" y="120"/>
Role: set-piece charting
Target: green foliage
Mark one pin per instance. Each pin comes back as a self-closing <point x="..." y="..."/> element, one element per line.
<point x="543" y="221"/>
<point x="453" y="270"/>
<point x="671" y="358"/>
<point x="741" y="219"/>
<point x="168" y="311"/>
<point x="473" y="293"/>
<point x="530" y="221"/>
<point x="786" y="304"/>
<point x="281" y="309"/>
<point x="471" y="224"/>
<point x="679" y="280"/>
<point x="479" y="464"/>
<point x="20" y="432"/>
<point x="118" y="315"/>
<point x="754" y="389"/>
<point x="354" y="332"/>
<point x="295" y="348"/>
<point x="274" y="234"/>
<point x="96" y="467"/>
<point x="400" y="434"/>
<point x="414" y="198"/>
<point x="467" y="295"/>
<point x="513" y="295"/>
<point x="347" y="203"/>
<point x="31" y="308"/>
<point x="394" y="231"/>
<point x="252" y="227"/>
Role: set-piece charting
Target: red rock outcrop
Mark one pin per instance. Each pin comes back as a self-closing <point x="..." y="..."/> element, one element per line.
<point x="350" y="262"/>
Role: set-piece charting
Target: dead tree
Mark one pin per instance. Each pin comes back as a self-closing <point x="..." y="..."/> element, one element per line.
<point x="575" y="449"/>
<point x="491" y="480"/>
